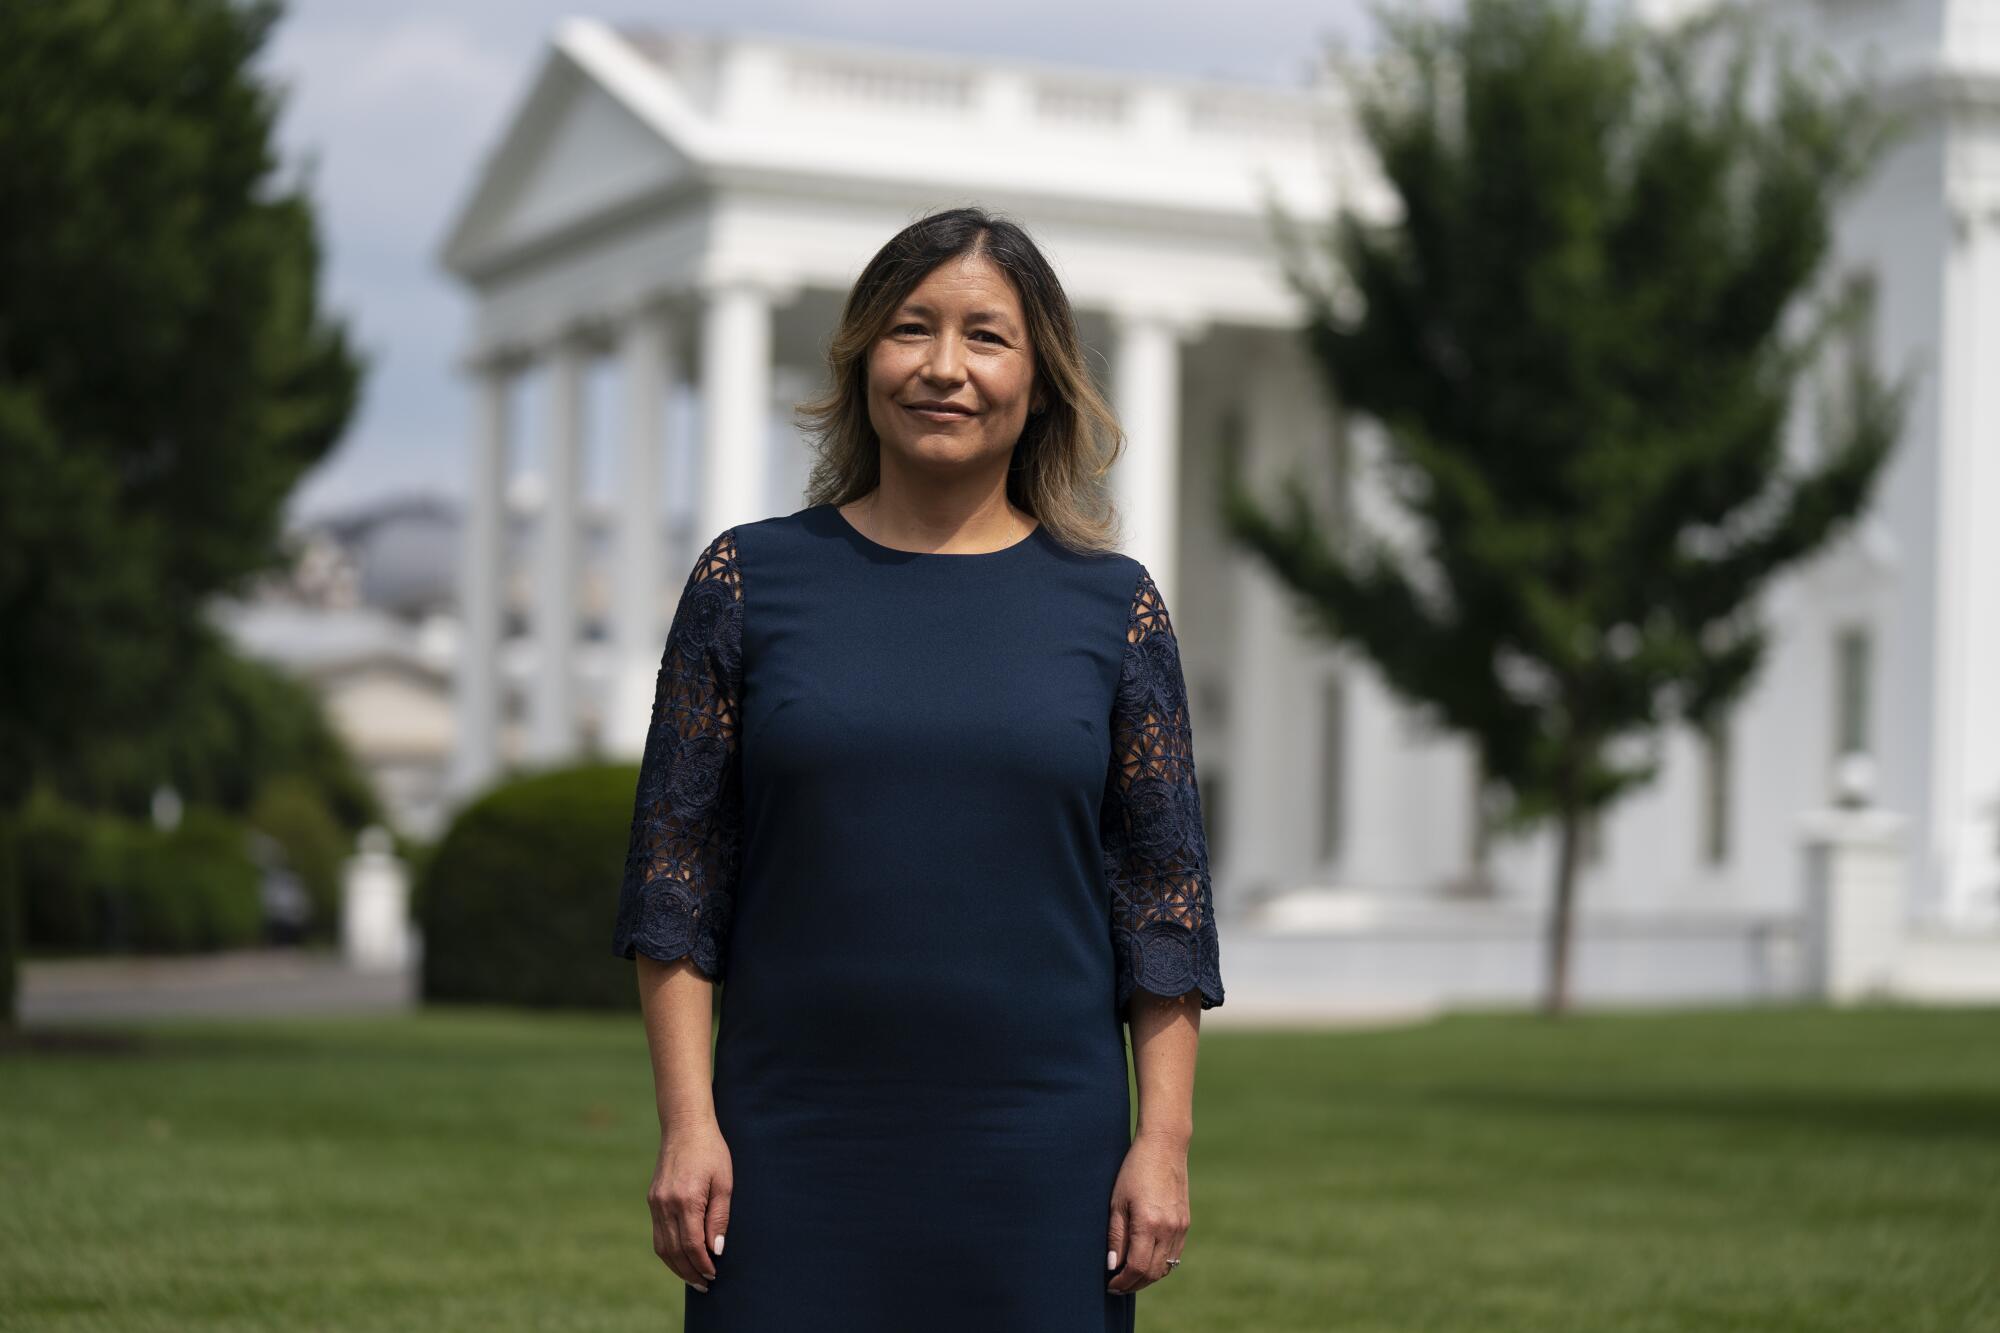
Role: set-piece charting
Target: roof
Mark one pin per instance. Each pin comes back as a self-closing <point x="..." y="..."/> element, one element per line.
<point x="689" y="112"/>
<point x="317" y="642"/>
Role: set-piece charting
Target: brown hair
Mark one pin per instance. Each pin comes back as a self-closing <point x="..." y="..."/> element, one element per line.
<point x="1064" y="452"/>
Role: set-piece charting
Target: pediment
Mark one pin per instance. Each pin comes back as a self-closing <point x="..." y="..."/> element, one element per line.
<point x="574" y="152"/>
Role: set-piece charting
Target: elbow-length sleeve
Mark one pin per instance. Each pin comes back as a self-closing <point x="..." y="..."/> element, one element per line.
<point x="1155" y="850"/>
<point x="687" y="815"/>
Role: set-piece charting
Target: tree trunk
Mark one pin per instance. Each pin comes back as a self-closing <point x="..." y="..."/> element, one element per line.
<point x="1555" y="998"/>
<point x="11" y="913"/>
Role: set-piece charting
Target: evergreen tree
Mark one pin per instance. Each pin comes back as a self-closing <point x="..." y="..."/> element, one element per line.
<point x="166" y="373"/>
<point x="1579" y="338"/>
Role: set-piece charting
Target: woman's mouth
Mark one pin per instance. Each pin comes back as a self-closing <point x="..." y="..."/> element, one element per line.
<point x="940" y="414"/>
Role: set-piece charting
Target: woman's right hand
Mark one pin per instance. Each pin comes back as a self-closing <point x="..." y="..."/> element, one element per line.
<point x="689" y="1199"/>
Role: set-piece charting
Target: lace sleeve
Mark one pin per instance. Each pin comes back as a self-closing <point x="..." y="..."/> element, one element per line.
<point x="1155" y="851"/>
<point x="687" y="814"/>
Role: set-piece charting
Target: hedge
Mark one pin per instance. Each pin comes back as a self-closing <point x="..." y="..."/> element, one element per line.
<point x="518" y="901"/>
<point x="95" y="882"/>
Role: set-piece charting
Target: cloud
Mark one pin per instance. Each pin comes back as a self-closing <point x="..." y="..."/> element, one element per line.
<point x="394" y="114"/>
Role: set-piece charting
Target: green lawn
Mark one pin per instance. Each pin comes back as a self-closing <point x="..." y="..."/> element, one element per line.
<point x="1763" y="1170"/>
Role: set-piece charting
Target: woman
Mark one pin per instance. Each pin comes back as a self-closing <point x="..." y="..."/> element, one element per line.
<point x="919" y="788"/>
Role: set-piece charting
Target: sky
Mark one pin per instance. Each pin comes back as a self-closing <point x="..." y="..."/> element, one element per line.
<point x="389" y="106"/>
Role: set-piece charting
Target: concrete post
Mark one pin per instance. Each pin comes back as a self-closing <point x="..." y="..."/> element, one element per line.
<point x="1856" y="880"/>
<point x="376" y="933"/>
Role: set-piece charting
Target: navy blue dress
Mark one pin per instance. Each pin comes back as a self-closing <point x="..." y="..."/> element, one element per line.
<point x="930" y="819"/>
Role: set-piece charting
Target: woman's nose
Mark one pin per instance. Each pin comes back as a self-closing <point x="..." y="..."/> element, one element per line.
<point x="945" y="358"/>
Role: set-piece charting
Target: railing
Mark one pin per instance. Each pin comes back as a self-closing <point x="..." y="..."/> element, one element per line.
<point x="1053" y="102"/>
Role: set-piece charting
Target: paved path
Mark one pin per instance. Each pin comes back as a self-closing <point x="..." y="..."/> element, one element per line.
<point x="253" y="983"/>
<point x="245" y="983"/>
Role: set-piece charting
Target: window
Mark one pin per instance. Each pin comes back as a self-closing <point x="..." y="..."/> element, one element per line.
<point x="1340" y="475"/>
<point x="1853" y="651"/>
<point x="1715" y="750"/>
<point x="1479" y="817"/>
<point x="1590" y="838"/>
<point x="1213" y="779"/>
<point x="1215" y="789"/>
<point x="1849" y="354"/>
<point x="1332" y="766"/>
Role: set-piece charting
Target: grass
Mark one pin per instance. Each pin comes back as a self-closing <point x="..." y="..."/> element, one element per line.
<point x="1767" y="1170"/>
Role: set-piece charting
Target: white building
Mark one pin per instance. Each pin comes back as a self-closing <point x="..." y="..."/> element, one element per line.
<point x="364" y="613"/>
<point x="692" y="209"/>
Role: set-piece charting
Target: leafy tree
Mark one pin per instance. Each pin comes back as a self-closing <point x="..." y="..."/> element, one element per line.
<point x="166" y="376"/>
<point x="233" y="727"/>
<point x="166" y="373"/>
<point x="1580" y="337"/>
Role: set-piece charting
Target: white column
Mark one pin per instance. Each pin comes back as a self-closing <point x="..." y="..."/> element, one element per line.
<point x="791" y="461"/>
<point x="639" y="576"/>
<point x="1146" y="385"/>
<point x="1275" y="806"/>
<point x="1965" y="816"/>
<point x="476" y="747"/>
<point x="735" y="404"/>
<point x="552" y="732"/>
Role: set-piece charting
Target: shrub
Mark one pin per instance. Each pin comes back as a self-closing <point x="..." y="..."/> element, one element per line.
<point x="204" y="867"/>
<point x="293" y="810"/>
<point x="519" y="898"/>
<point x="61" y="905"/>
<point x="93" y="882"/>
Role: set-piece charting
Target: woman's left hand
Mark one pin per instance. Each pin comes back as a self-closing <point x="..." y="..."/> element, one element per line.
<point x="1149" y="1212"/>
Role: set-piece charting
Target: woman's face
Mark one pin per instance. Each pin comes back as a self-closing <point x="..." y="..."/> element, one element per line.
<point x="959" y="339"/>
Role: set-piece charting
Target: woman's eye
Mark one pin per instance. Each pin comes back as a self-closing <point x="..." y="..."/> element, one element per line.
<point x="977" y="333"/>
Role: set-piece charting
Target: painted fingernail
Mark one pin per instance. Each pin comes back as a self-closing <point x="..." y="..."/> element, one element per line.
<point x="1111" y="1258"/>
<point x="718" y="1245"/>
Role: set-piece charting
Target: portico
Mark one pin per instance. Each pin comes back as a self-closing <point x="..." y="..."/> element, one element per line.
<point x="690" y="211"/>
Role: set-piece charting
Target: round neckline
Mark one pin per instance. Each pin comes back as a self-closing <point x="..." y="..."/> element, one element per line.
<point x="864" y="539"/>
